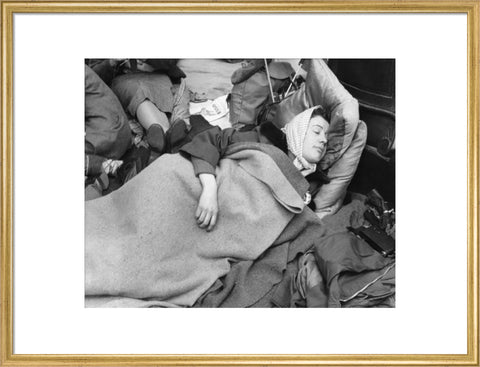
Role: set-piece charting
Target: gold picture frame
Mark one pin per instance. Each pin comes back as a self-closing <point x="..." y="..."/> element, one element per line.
<point x="9" y="8"/>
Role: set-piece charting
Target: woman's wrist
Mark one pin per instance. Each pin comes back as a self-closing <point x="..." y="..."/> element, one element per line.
<point x="207" y="180"/>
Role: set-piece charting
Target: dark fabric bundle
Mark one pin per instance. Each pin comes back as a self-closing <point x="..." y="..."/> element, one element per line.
<point x="107" y="132"/>
<point x="167" y="66"/>
<point x="341" y="270"/>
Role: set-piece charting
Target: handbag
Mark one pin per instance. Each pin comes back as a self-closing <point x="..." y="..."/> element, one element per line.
<point x="248" y="97"/>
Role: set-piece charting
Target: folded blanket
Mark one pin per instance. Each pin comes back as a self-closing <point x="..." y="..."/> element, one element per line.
<point x="142" y="241"/>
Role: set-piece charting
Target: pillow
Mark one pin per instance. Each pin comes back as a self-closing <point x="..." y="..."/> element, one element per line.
<point x="330" y="196"/>
<point x="323" y="88"/>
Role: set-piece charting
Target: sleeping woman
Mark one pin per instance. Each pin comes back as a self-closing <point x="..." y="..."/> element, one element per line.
<point x="145" y="247"/>
<point x="304" y="139"/>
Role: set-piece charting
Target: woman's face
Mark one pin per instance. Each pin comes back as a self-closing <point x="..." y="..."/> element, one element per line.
<point x="315" y="142"/>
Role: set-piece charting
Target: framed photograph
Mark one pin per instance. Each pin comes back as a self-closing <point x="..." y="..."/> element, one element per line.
<point x="281" y="182"/>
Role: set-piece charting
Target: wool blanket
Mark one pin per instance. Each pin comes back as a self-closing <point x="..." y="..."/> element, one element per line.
<point x="253" y="283"/>
<point x="142" y="243"/>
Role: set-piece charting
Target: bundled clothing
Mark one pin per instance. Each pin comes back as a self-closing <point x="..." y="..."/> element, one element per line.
<point x="107" y="132"/>
<point x="340" y="270"/>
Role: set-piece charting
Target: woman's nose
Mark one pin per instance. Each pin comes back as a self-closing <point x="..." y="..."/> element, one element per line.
<point x="322" y="137"/>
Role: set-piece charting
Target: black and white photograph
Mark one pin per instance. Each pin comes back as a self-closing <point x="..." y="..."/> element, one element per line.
<point x="252" y="173"/>
<point x="240" y="183"/>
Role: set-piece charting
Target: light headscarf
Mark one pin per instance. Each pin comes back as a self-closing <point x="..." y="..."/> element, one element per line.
<point x="295" y="131"/>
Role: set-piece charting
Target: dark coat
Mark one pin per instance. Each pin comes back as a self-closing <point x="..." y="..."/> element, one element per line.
<point x="107" y="131"/>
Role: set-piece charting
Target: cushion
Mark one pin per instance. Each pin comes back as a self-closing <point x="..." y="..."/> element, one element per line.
<point x="330" y="196"/>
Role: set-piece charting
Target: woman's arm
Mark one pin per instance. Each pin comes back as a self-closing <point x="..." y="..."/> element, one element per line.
<point x="210" y="145"/>
<point x="207" y="209"/>
<point x="205" y="150"/>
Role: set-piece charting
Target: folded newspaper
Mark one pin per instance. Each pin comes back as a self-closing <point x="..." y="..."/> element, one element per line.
<point x="211" y="110"/>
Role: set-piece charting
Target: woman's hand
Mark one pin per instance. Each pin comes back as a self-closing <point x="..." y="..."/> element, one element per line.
<point x="207" y="209"/>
